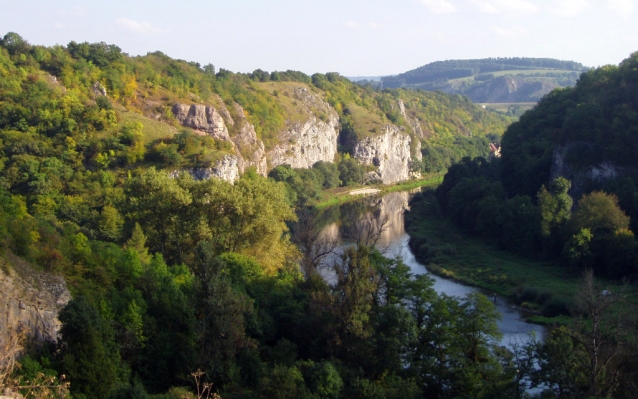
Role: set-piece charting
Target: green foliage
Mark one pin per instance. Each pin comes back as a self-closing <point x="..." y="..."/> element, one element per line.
<point x="89" y="355"/>
<point x="439" y="157"/>
<point x="350" y="172"/>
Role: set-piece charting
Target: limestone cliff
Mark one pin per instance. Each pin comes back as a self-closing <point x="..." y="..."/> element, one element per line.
<point x="250" y="150"/>
<point x="313" y="139"/>
<point x="214" y="121"/>
<point x="224" y="169"/>
<point x="304" y="144"/>
<point x="202" y="118"/>
<point x="30" y="302"/>
<point x="415" y="124"/>
<point x="390" y="152"/>
<point x="310" y="135"/>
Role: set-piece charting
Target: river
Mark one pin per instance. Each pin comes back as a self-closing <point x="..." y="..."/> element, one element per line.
<point x="393" y="241"/>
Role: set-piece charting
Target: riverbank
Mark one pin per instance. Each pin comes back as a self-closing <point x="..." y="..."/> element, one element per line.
<point x="341" y="195"/>
<point x="546" y="288"/>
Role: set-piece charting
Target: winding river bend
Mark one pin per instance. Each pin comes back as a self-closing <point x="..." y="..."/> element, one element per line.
<point x="394" y="242"/>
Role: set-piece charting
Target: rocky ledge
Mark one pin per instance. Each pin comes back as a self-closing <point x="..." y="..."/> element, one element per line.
<point x="30" y="303"/>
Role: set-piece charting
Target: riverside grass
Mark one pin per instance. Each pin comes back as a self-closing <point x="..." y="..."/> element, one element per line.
<point x="341" y="195"/>
<point x="471" y="261"/>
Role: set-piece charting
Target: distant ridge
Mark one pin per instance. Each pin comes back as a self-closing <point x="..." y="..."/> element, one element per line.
<point x="491" y="80"/>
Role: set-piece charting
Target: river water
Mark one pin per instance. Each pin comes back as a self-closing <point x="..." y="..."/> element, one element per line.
<point x="393" y="241"/>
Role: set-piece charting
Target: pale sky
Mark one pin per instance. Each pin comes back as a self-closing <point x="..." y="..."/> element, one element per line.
<point x="352" y="37"/>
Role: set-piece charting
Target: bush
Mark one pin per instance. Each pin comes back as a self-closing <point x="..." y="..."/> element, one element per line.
<point x="526" y="294"/>
<point x="556" y="307"/>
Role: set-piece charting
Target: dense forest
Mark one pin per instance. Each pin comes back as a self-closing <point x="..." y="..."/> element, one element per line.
<point x="188" y="289"/>
<point x="567" y="174"/>
<point x="563" y="192"/>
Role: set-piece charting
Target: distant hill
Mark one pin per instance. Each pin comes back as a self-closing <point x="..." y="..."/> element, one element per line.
<point x="491" y="80"/>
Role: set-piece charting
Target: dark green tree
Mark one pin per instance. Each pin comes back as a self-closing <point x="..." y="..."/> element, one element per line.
<point x="88" y="353"/>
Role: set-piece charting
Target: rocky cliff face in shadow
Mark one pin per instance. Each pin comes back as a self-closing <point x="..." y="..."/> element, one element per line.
<point x="30" y="303"/>
<point x="581" y="176"/>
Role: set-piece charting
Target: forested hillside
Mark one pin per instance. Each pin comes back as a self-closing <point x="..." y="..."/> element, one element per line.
<point x="560" y="203"/>
<point x="170" y="274"/>
<point x="492" y="80"/>
<point x="566" y="183"/>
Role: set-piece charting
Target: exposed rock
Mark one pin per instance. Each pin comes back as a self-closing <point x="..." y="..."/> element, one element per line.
<point x="507" y="89"/>
<point x="415" y="124"/>
<point x="303" y="144"/>
<point x="202" y="118"/>
<point x="53" y="83"/>
<point x="224" y="169"/>
<point x="581" y="176"/>
<point x="390" y="152"/>
<point x="98" y="90"/>
<point x="30" y="303"/>
<point x="250" y="150"/>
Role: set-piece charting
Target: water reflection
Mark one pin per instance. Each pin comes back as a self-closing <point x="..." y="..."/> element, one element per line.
<point x="343" y="222"/>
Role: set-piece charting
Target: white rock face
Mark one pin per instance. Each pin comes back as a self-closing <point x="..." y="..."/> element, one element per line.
<point x="390" y="152"/>
<point x="202" y="118"/>
<point x="224" y="169"/>
<point x="30" y="301"/>
<point x="303" y="144"/>
<point x="249" y="149"/>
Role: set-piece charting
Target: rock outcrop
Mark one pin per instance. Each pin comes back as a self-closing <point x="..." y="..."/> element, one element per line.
<point x="506" y="89"/>
<point x="30" y="303"/>
<point x="98" y="90"/>
<point x="310" y="136"/>
<point x="202" y="118"/>
<point x="206" y="119"/>
<point x="314" y="139"/>
<point x="415" y="124"/>
<point x="304" y="144"/>
<point x="390" y="152"/>
<point x="249" y="149"/>
<point x="224" y="169"/>
<point x="581" y="176"/>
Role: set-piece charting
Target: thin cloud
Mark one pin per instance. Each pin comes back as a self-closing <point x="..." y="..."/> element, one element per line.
<point x="510" y="7"/>
<point x="141" y="27"/>
<point x="439" y="6"/>
<point x="570" y="8"/>
<point x="622" y="7"/>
